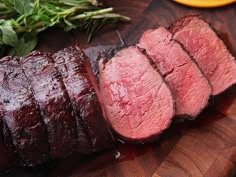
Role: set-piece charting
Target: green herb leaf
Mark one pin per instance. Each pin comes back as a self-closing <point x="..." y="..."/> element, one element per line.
<point x="22" y="18"/>
<point x="9" y="36"/>
<point x="1" y="41"/>
<point x="22" y="6"/>
<point x="25" y="45"/>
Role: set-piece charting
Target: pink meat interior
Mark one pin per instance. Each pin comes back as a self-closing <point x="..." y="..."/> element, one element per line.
<point x="137" y="102"/>
<point x="189" y="86"/>
<point x="208" y="50"/>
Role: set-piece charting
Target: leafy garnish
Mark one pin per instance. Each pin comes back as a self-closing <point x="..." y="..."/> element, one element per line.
<point x="8" y="35"/>
<point x="22" y="20"/>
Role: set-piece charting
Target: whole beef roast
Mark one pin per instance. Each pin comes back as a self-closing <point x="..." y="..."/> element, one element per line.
<point x="137" y="102"/>
<point x="189" y="86"/>
<point x="208" y="50"/>
<point x="53" y="100"/>
<point x="21" y="114"/>
<point x="80" y="84"/>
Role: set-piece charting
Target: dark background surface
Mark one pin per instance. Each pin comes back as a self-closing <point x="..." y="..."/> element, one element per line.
<point x="203" y="147"/>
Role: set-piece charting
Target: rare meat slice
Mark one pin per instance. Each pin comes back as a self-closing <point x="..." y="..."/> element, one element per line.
<point x="137" y="101"/>
<point x="78" y="79"/>
<point x="52" y="98"/>
<point x="8" y="157"/>
<point x="189" y="86"/>
<point x="208" y="50"/>
<point x="21" y="114"/>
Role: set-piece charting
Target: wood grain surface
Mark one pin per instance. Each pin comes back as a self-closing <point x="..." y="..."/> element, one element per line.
<point x="202" y="147"/>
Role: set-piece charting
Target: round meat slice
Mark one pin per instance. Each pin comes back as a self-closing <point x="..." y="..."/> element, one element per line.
<point x="136" y="100"/>
<point x="208" y="50"/>
<point x="189" y="86"/>
<point x="21" y="114"/>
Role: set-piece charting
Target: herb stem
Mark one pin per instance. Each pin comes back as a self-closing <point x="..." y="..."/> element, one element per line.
<point x="26" y="28"/>
<point x="91" y="14"/>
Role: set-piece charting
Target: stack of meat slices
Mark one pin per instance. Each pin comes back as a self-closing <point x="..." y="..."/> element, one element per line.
<point x="189" y="60"/>
<point x="210" y="53"/>
<point x="51" y="106"/>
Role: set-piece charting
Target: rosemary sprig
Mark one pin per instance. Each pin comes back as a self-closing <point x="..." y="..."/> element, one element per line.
<point x="22" y="20"/>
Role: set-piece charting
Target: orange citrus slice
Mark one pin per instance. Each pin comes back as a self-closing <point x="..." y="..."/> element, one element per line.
<point x="205" y="3"/>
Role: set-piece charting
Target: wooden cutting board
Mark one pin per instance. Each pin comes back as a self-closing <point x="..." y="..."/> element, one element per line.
<point x="202" y="147"/>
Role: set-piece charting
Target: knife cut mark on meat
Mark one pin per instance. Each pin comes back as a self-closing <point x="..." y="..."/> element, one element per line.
<point x="27" y="132"/>
<point x="52" y="98"/>
<point x="73" y="64"/>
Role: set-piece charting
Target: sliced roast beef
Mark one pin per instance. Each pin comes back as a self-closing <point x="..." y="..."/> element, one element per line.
<point x="21" y="114"/>
<point x="80" y="84"/>
<point x="8" y="157"/>
<point x="137" y="101"/>
<point x="208" y="50"/>
<point x="189" y="86"/>
<point x="53" y="100"/>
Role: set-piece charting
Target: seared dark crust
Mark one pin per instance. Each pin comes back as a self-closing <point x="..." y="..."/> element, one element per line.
<point x="73" y="63"/>
<point x="8" y="157"/>
<point x="76" y="85"/>
<point x="53" y="100"/>
<point x="106" y="138"/>
<point x="177" y="24"/>
<point x="21" y="114"/>
<point x="98" y="52"/>
<point x="119" y="138"/>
